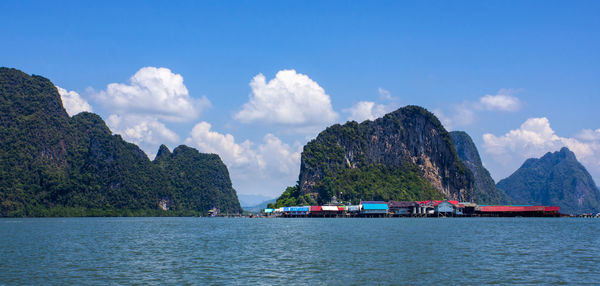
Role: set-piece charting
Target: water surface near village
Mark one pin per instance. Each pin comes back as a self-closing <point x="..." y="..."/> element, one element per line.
<point x="72" y="251"/>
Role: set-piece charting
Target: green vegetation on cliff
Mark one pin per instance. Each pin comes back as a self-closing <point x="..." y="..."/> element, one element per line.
<point x="405" y="155"/>
<point x="377" y="182"/>
<point x="292" y="197"/>
<point x="485" y="190"/>
<point x="55" y="165"/>
<point x="196" y="180"/>
<point x="556" y="179"/>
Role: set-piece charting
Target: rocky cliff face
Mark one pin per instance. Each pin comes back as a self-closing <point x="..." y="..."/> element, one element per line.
<point x="49" y="160"/>
<point x="554" y="179"/>
<point x="197" y="180"/>
<point x="409" y="143"/>
<point x="485" y="191"/>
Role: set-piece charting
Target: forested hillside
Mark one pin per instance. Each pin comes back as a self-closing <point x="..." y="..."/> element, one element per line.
<point x="54" y="165"/>
<point x="405" y="155"/>
<point x="554" y="179"/>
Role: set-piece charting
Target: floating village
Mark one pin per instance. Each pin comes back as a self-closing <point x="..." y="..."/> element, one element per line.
<point x="445" y="208"/>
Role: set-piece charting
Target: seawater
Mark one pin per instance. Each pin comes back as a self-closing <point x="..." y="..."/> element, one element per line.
<point x="207" y="251"/>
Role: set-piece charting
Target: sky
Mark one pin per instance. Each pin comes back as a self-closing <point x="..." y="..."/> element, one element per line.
<point x="253" y="81"/>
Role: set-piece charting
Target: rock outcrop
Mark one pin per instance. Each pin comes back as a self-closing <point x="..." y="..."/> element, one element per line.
<point x="50" y="161"/>
<point x="556" y="179"/>
<point x="485" y="191"/>
<point x="197" y="180"/>
<point x="406" y="154"/>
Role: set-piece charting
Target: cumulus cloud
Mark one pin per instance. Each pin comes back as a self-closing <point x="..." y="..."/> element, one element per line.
<point x="502" y="101"/>
<point x="157" y="92"/>
<point x="279" y="157"/>
<point x="208" y="141"/>
<point x="366" y="110"/>
<point x="264" y="168"/>
<point x="290" y="98"/>
<point x="534" y="138"/>
<point x="145" y="131"/>
<point x="589" y="135"/>
<point x="139" y="109"/>
<point x="73" y="102"/>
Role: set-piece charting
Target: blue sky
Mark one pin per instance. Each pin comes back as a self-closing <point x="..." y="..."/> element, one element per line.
<point x="521" y="77"/>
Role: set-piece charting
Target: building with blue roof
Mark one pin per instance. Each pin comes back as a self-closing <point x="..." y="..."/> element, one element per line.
<point x="296" y="211"/>
<point x="374" y="208"/>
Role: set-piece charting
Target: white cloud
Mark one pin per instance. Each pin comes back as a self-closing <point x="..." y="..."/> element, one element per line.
<point x="157" y="92"/>
<point x="502" y="101"/>
<point x="145" y="131"/>
<point x="534" y="138"/>
<point x="366" y="110"/>
<point x="138" y="109"/>
<point x="589" y="135"/>
<point x="266" y="168"/>
<point x="290" y="98"/>
<point x="279" y="157"/>
<point x="369" y="110"/>
<point x="465" y="113"/>
<point x="208" y="141"/>
<point x="72" y="101"/>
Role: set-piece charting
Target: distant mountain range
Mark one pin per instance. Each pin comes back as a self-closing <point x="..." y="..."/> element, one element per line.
<point x="55" y="165"/>
<point x="252" y="200"/>
<point x="408" y="155"/>
<point x="554" y="179"/>
<point x="258" y="207"/>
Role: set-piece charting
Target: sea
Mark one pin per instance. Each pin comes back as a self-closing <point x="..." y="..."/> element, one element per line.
<point x="278" y="251"/>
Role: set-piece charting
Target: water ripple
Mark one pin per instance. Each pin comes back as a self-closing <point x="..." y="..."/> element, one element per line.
<point x="218" y="251"/>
